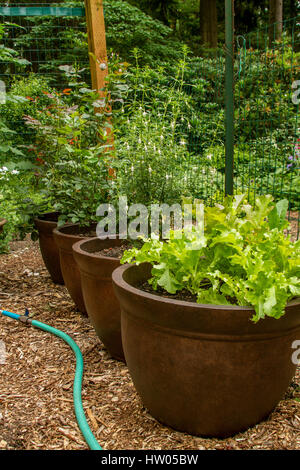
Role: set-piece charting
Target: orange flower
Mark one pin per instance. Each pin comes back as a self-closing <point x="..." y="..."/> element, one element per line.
<point x="66" y="91"/>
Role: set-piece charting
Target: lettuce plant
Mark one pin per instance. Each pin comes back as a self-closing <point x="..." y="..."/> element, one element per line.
<point x="241" y="256"/>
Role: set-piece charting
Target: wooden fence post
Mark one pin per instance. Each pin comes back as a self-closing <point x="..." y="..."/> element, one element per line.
<point x="98" y="58"/>
<point x="97" y="42"/>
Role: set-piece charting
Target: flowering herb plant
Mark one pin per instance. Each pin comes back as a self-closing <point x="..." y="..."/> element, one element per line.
<point x="150" y="147"/>
<point x="242" y="257"/>
<point x="71" y="133"/>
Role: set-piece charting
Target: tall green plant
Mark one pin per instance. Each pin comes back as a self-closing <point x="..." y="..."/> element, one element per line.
<point x="149" y="145"/>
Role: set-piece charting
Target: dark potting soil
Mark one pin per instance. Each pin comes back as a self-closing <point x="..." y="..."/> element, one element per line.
<point x="114" y="252"/>
<point x="184" y="295"/>
<point x="51" y="217"/>
<point x="87" y="234"/>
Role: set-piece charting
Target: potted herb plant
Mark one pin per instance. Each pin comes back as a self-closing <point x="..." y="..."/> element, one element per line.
<point x="145" y="174"/>
<point x="209" y="318"/>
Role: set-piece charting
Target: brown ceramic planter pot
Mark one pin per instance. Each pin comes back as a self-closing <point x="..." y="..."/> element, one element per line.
<point x="101" y="303"/>
<point x="49" y="250"/>
<point x="2" y="223"/>
<point x="204" y="369"/>
<point x="65" y="237"/>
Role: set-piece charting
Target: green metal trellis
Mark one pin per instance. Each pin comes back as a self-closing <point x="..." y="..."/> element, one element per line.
<point x="229" y="95"/>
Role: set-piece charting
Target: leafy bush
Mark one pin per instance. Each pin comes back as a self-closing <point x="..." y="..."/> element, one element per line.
<point x="242" y="257"/>
<point x="27" y="95"/>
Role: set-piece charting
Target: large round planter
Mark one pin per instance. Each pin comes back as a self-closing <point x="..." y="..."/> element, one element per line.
<point x="45" y="225"/>
<point x="2" y="223"/>
<point x="65" y="237"/>
<point x="203" y="369"/>
<point x="100" y="301"/>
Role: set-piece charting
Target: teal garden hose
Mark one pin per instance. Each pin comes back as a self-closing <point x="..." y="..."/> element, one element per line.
<point x="79" y="412"/>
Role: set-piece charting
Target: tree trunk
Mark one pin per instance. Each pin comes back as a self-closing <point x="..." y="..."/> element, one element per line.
<point x="209" y="22"/>
<point x="275" y="20"/>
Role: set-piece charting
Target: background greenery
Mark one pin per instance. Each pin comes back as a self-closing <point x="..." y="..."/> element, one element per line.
<point x="169" y="128"/>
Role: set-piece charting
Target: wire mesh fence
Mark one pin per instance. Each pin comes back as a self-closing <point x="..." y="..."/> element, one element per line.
<point x="267" y="114"/>
<point x="266" y="119"/>
<point x="49" y="37"/>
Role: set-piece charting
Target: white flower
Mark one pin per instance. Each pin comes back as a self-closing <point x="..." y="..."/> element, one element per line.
<point x="182" y="142"/>
<point x="150" y="170"/>
<point x="209" y="157"/>
<point x="15" y="172"/>
<point x="3" y="169"/>
<point x="132" y="169"/>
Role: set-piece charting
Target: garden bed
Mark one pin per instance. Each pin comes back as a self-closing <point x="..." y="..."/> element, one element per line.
<point x="36" y="403"/>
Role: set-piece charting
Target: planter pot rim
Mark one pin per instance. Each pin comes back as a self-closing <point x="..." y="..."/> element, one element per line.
<point x="78" y="247"/>
<point x="46" y="214"/>
<point x="43" y="218"/>
<point x="118" y="279"/>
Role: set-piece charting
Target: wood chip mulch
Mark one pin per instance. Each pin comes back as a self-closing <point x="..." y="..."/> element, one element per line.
<point x="36" y="403"/>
